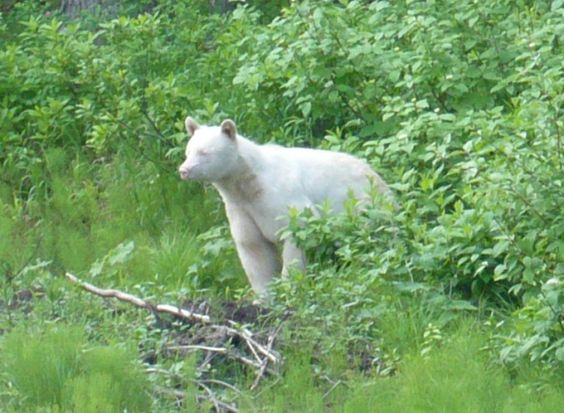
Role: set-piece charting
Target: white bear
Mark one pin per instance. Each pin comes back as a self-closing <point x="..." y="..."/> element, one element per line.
<point x="259" y="183"/>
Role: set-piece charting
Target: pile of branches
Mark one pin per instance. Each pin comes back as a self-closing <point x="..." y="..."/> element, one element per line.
<point x="219" y="338"/>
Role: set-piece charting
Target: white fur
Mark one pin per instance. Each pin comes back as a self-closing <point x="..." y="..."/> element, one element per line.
<point x="259" y="183"/>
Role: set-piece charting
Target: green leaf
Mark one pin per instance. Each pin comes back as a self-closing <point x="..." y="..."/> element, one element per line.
<point x="306" y="109"/>
<point x="121" y="253"/>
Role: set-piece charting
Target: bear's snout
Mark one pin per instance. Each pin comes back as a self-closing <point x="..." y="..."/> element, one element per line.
<point x="184" y="172"/>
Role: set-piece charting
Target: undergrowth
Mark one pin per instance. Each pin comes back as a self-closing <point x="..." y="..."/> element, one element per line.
<point x="457" y="375"/>
<point x="53" y="371"/>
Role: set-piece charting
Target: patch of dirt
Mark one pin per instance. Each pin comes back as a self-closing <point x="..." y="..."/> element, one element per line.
<point x="197" y="338"/>
<point x="243" y="313"/>
<point x="240" y="312"/>
<point x="21" y="300"/>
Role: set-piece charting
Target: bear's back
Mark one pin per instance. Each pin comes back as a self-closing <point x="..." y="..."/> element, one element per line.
<point x="319" y="175"/>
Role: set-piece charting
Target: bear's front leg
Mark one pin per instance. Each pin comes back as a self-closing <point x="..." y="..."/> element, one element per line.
<point x="259" y="257"/>
<point x="260" y="262"/>
<point x="292" y="257"/>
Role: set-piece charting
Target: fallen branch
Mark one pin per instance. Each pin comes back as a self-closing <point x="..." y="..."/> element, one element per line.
<point x="218" y="350"/>
<point x="247" y="336"/>
<point x="231" y="329"/>
<point x="264" y="363"/>
<point x="138" y="302"/>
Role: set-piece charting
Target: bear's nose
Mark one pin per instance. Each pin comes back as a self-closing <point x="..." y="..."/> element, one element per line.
<point x="184" y="173"/>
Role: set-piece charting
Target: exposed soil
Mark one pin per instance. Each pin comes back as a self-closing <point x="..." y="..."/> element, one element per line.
<point x="240" y="312"/>
<point x="21" y="300"/>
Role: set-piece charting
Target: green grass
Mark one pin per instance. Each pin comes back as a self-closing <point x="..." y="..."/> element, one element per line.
<point x="110" y="381"/>
<point x="457" y="376"/>
<point x="58" y="368"/>
<point x="53" y="369"/>
<point x="130" y="224"/>
<point x="88" y="210"/>
<point x="41" y="365"/>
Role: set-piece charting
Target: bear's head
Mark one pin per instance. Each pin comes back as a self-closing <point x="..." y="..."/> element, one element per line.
<point x="211" y="153"/>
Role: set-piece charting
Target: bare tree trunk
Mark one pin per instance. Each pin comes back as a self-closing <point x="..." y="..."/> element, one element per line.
<point x="222" y="6"/>
<point x="73" y="8"/>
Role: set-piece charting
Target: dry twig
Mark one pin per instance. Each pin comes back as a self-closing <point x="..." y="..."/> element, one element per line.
<point x="264" y="363"/>
<point x="138" y="302"/>
<point x="230" y="330"/>
<point x="249" y="352"/>
<point x="218" y="350"/>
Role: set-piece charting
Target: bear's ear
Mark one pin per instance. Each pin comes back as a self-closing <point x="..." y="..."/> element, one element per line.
<point x="191" y="125"/>
<point x="228" y="127"/>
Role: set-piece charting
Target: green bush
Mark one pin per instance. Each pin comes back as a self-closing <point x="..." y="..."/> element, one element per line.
<point x="462" y="117"/>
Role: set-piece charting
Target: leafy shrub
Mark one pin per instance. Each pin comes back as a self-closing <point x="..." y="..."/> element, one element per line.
<point x="466" y="127"/>
<point x="435" y="101"/>
<point x="537" y="330"/>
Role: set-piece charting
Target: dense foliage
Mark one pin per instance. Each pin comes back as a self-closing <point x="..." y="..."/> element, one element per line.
<point x="457" y="104"/>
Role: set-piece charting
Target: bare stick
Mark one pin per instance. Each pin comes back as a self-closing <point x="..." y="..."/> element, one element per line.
<point x="221" y="350"/>
<point x="260" y="374"/>
<point x="333" y="387"/>
<point x="222" y="383"/>
<point x="218" y="350"/>
<point x="179" y="312"/>
<point x="264" y="364"/>
<point x="252" y="348"/>
<point x="272" y="355"/>
<point x="139" y="302"/>
<point x="182" y="313"/>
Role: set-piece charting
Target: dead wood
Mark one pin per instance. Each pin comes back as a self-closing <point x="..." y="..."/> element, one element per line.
<point x="221" y="340"/>
<point x="138" y="302"/>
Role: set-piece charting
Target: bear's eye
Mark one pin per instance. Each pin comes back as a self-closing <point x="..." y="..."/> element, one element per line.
<point x="203" y="152"/>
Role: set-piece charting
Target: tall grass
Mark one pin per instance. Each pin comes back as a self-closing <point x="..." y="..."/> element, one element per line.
<point x="40" y="366"/>
<point x="109" y="382"/>
<point x="53" y="370"/>
<point x="84" y="211"/>
<point x="455" y="377"/>
<point x="297" y="392"/>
